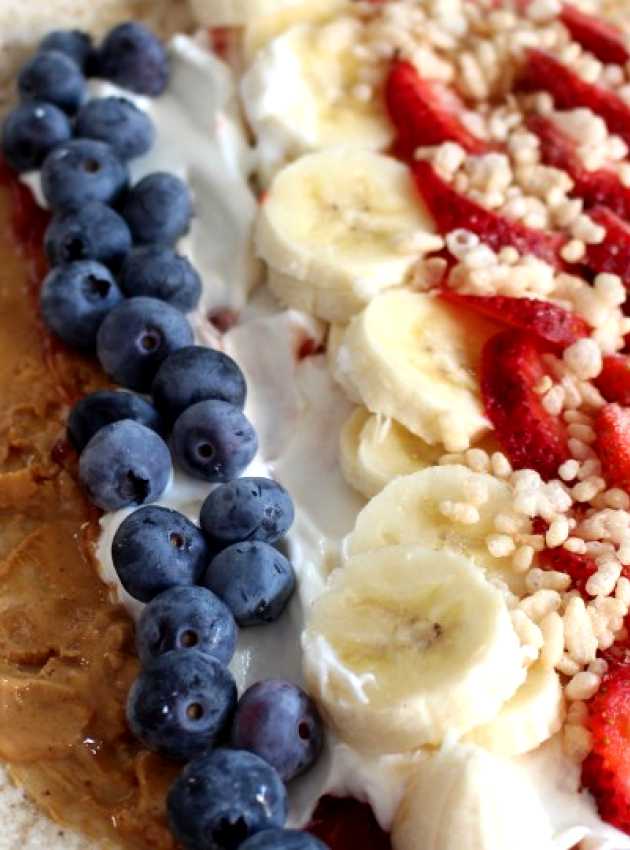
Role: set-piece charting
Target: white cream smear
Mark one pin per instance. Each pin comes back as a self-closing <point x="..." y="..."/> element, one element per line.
<point x="298" y="412"/>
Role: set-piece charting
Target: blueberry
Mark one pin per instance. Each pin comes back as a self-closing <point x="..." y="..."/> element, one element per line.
<point x="247" y="509"/>
<point x="92" y="232"/>
<point x="54" y="77"/>
<point x="125" y="464"/>
<point x="186" y="618"/>
<point x="136" y="337"/>
<point x="283" y="839"/>
<point x="158" y="208"/>
<point x="159" y="272"/>
<point x="197" y="374"/>
<point x="223" y="797"/>
<point x="181" y="703"/>
<point x="82" y="170"/>
<point x="94" y="411"/>
<point x="279" y="722"/>
<point x="132" y="57"/>
<point x="31" y="131"/>
<point x="74" y="43"/>
<point x="156" y="548"/>
<point x="75" y="299"/>
<point x="253" y="579"/>
<point x="118" y="122"/>
<point x="213" y="441"/>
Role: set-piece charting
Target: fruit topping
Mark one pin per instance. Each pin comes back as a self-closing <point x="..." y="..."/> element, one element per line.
<point x="157" y="271"/>
<point x="82" y="170"/>
<point x="74" y="43"/>
<point x="597" y="36"/>
<point x="94" y="411"/>
<point x="31" y="131"/>
<point x="254" y="580"/>
<point x="531" y="437"/>
<point x="158" y="208"/>
<point x="194" y="374"/>
<point x="124" y="465"/>
<point x="424" y="112"/>
<point x="579" y="567"/>
<point x="222" y="798"/>
<point x="157" y="548"/>
<point x="247" y="509"/>
<point x="94" y="231"/>
<point x="279" y="722"/>
<point x="187" y="618"/>
<point x="612" y="426"/>
<point x="452" y="211"/>
<point x="118" y="122"/>
<point x="613" y="381"/>
<point x="284" y="839"/>
<point x="76" y="298"/>
<point x="137" y="336"/>
<point x="548" y="322"/>
<point x="343" y="822"/>
<point x="613" y="253"/>
<point x="181" y="703"/>
<point x="132" y="57"/>
<point x="53" y="77"/>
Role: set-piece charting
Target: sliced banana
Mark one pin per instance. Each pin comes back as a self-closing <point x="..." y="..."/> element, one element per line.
<point x="464" y="798"/>
<point x="528" y="719"/>
<point x="407" y="645"/>
<point x="339" y="226"/>
<point x="235" y="13"/>
<point x="261" y="29"/>
<point x="414" y="358"/>
<point x="373" y="450"/>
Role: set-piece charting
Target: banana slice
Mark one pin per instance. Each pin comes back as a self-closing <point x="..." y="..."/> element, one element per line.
<point x="414" y="358"/>
<point x="407" y="645"/>
<point x="373" y="450"/>
<point x="235" y="13"/>
<point x="339" y="226"/>
<point x="261" y="29"/>
<point x="465" y="798"/>
<point x="528" y="719"/>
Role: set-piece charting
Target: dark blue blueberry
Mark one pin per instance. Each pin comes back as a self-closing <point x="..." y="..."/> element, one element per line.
<point x="158" y="208"/>
<point x="31" y="131"/>
<point x="197" y="374"/>
<point x="94" y="411"/>
<point x="181" y="703"/>
<point x="247" y="509"/>
<point x="118" y="122"/>
<point x="279" y="722"/>
<point x="132" y="57"/>
<point x="283" y="839"/>
<point x="159" y="272"/>
<point x="186" y="618"/>
<point x="82" y="170"/>
<point x="74" y="43"/>
<point x="124" y="465"/>
<point x="253" y="579"/>
<point x="76" y="298"/>
<point x="214" y="441"/>
<point x="222" y="798"/>
<point x="54" y="77"/>
<point x="91" y="232"/>
<point x="156" y="548"/>
<point x="136" y="337"/>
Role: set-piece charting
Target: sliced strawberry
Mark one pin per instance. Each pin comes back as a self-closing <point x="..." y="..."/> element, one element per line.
<point x="600" y="187"/>
<point x="547" y="321"/>
<point x="606" y="771"/>
<point x="595" y="35"/>
<point x="613" y="381"/>
<point x="451" y="211"/>
<point x="612" y="445"/>
<point x="613" y="254"/>
<point x="424" y="112"/>
<point x="511" y="367"/>
<point x="543" y="72"/>
<point x="579" y="567"/>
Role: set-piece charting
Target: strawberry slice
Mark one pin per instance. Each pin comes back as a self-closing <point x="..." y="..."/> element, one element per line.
<point x="613" y="381"/>
<point x="511" y="367"/>
<point x="579" y="567"/>
<point x="424" y="112"/>
<point x="600" y="187"/>
<point x="543" y="72"/>
<point x="600" y="38"/>
<point x="547" y="321"/>
<point x="606" y="771"/>
<point x="612" y="445"/>
<point x="451" y="211"/>
<point x="613" y="254"/>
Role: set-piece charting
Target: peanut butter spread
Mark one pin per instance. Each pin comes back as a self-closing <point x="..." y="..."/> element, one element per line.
<point x="66" y="651"/>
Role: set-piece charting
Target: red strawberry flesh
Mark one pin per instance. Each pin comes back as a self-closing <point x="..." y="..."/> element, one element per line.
<point x="613" y="381"/>
<point x="579" y="567"/>
<point x="612" y="426"/>
<point x="598" y="37"/>
<point x="612" y="255"/>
